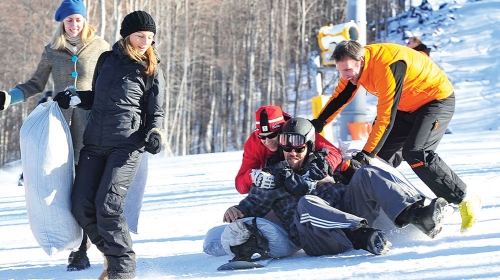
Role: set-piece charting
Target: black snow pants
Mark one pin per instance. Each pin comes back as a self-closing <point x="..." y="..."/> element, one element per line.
<point x="419" y="134"/>
<point x="102" y="180"/>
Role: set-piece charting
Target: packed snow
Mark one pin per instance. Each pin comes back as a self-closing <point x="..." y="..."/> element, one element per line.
<point x="186" y="196"/>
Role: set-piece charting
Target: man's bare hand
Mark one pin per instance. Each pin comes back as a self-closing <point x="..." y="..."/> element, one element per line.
<point x="232" y="214"/>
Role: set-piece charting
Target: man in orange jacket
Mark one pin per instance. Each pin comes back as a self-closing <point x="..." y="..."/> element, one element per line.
<point x="416" y="102"/>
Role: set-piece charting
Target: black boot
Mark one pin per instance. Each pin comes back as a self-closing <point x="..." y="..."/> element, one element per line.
<point x="429" y="219"/>
<point x="78" y="260"/>
<point x="372" y="240"/>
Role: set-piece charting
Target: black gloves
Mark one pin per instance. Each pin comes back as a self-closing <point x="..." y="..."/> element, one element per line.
<point x="363" y="158"/>
<point x="295" y="184"/>
<point x="153" y="142"/>
<point x="348" y="169"/>
<point x="318" y="124"/>
<point x="4" y="100"/>
<point x="63" y="98"/>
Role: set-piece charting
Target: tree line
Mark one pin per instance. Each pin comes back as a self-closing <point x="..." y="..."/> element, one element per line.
<point x="221" y="59"/>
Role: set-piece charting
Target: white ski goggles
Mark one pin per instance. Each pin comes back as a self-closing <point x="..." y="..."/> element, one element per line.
<point x="292" y="140"/>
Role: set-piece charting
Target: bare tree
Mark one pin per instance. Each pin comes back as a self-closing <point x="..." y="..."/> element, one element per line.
<point x="221" y="59"/>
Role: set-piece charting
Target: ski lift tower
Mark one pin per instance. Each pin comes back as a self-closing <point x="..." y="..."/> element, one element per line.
<point x="328" y="38"/>
<point x="354" y="114"/>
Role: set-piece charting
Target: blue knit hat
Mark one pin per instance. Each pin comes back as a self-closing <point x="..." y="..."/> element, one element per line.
<point x="70" y="7"/>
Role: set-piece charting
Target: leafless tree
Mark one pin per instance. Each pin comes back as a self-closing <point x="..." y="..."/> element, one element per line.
<point x="221" y="59"/>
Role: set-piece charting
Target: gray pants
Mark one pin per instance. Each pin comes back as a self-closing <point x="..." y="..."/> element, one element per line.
<point x="371" y="190"/>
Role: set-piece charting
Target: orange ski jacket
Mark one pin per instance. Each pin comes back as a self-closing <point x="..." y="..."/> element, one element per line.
<point x="423" y="82"/>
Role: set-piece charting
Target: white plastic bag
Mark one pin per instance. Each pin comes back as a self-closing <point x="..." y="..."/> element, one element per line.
<point x="133" y="201"/>
<point x="48" y="168"/>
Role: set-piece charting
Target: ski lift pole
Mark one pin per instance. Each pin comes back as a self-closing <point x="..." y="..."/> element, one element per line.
<point x="355" y="111"/>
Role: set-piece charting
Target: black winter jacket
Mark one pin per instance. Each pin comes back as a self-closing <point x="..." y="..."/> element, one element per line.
<point x="117" y="102"/>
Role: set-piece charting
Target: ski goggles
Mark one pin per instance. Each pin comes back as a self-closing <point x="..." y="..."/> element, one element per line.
<point x="269" y="136"/>
<point x="292" y="140"/>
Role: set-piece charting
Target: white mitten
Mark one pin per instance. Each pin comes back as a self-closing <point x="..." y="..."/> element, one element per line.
<point x="262" y="179"/>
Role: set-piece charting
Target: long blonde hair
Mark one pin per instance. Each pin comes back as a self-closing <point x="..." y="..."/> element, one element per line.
<point x="149" y="56"/>
<point x="58" y="41"/>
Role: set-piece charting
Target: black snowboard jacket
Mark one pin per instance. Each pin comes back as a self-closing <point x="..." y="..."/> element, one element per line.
<point x="117" y="103"/>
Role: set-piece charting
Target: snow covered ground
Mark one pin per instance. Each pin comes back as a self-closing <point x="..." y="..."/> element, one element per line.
<point x="186" y="196"/>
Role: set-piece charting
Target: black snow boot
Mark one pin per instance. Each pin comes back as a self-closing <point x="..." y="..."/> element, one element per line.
<point x="429" y="219"/>
<point x="372" y="240"/>
<point x="78" y="260"/>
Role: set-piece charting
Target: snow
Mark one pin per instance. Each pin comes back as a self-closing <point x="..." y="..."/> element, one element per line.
<point x="186" y="196"/>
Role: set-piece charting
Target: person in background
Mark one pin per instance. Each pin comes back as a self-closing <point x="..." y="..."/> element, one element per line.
<point x="70" y="59"/>
<point x="126" y="119"/>
<point x="416" y="102"/>
<point x="325" y="217"/>
<point x="416" y="43"/>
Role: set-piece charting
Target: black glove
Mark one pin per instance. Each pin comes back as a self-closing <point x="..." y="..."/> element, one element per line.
<point x="294" y="183"/>
<point x="63" y="98"/>
<point x="352" y="166"/>
<point x="4" y="96"/>
<point x="363" y="158"/>
<point x="153" y="143"/>
<point x="319" y="167"/>
<point x="318" y="124"/>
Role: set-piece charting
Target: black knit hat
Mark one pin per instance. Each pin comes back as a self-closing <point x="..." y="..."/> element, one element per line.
<point x="137" y="21"/>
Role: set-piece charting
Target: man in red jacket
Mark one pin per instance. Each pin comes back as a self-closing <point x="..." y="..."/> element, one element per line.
<point x="263" y="142"/>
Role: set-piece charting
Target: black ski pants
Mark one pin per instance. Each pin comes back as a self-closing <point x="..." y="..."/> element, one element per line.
<point x="102" y="180"/>
<point x="419" y="134"/>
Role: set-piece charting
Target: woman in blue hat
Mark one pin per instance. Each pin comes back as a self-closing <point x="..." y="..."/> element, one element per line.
<point x="70" y="59"/>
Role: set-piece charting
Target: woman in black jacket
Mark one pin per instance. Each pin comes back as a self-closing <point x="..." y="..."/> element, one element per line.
<point x="126" y="119"/>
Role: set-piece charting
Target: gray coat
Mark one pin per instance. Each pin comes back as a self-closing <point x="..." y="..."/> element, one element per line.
<point x="59" y="64"/>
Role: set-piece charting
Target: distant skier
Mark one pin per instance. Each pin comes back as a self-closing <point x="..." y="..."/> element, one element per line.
<point x="416" y="43"/>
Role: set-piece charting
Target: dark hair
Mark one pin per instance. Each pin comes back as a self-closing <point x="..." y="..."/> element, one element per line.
<point x="348" y="49"/>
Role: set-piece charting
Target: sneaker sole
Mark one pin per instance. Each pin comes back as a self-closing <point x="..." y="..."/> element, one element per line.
<point x="438" y="216"/>
<point x="380" y="245"/>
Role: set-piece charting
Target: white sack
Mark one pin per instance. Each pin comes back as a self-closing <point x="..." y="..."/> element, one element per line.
<point x="48" y="168"/>
<point x="133" y="201"/>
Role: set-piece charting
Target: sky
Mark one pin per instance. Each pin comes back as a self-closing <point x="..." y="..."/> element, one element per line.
<point x="186" y="196"/>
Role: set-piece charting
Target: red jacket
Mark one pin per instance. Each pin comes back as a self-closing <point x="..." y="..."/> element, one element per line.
<point x="255" y="155"/>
